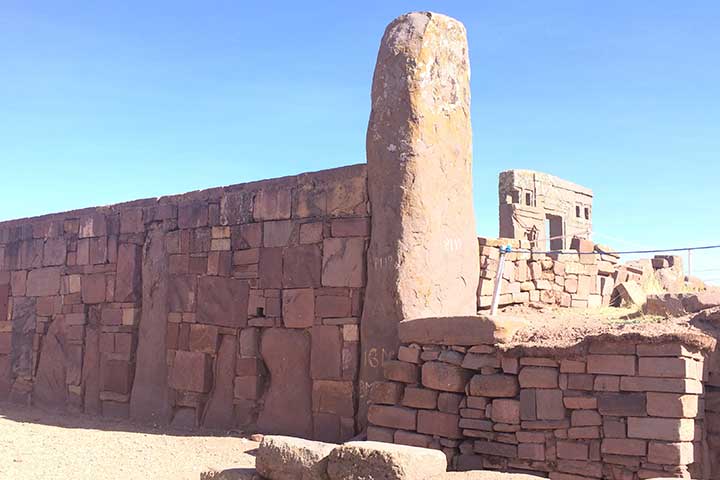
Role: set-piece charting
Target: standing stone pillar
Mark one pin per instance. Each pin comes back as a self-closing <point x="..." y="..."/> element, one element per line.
<point x="423" y="254"/>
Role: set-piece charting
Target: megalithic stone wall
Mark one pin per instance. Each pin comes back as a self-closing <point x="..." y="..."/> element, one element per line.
<point x="230" y="307"/>
<point x="422" y="259"/>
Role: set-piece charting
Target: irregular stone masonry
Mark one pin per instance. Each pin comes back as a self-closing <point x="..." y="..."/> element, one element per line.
<point x="619" y="410"/>
<point x="222" y="307"/>
<point x="584" y="277"/>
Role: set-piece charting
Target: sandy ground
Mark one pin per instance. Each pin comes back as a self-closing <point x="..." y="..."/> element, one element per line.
<point x="39" y="445"/>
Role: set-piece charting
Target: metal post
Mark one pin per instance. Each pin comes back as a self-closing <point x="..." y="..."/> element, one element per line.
<point x="689" y="263"/>
<point x="498" y="278"/>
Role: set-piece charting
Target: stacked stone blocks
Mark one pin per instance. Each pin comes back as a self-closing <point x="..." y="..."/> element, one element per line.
<point x="624" y="409"/>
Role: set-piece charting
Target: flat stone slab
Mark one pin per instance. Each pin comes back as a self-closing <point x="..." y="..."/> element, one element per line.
<point x="377" y="460"/>
<point x="290" y="458"/>
<point x="471" y="330"/>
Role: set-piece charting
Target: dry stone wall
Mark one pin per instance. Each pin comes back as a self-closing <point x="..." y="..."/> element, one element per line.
<point x="613" y="410"/>
<point x="584" y="276"/>
<point x="235" y="306"/>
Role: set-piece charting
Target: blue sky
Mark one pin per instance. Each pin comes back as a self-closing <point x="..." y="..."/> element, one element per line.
<point x="102" y="102"/>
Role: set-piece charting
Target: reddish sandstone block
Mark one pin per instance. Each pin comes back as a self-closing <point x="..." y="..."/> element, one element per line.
<point x="54" y="252"/>
<point x="572" y="366"/>
<point x="311" y="232"/>
<point x="624" y="446"/>
<point x="278" y="233"/>
<point x="400" y="371"/>
<point x="494" y="386"/>
<point x="668" y="429"/>
<point x="650" y="384"/>
<point x="409" y="354"/>
<point x="412" y="439"/>
<point x="586" y="403"/>
<point x="388" y="393"/>
<point x="672" y="405"/>
<point x="298" y="308"/>
<point x="583" y="432"/>
<point x="416" y="397"/>
<point x="326" y="353"/>
<point x="343" y="262"/>
<point x="272" y="204"/>
<point x="249" y="367"/>
<point x="333" y="397"/>
<point x="116" y="376"/>
<point x="128" y="279"/>
<point x="350" y="227"/>
<point x="301" y="266"/>
<point x="44" y="282"/>
<point x="506" y="411"/>
<point x="222" y="301"/>
<point x="270" y="268"/>
<point x="438" y="423"/>
<point x="580" y="381"/>
<point x="585" y="418"/>
<point x="393" y="417"/>
<point x="94" y="288"/>
<point x="248" y="388"/>
<point x="607" y="383"/>
<point x="549" y="404"/>
<point x="379" y="434"/>
<point x="192" y="215"/>
<point x="495" y="449"/>
<point x="611" y="364"/>
<point x="538" y="377"/>
<point x="572" y="450"/>
<point x="449" y="402"/>
<point x="5" y="343"/>
<point x="681" y="453"/>
<point x="622" y="404"/>
<point x="191" y="371"/>
<point x="669" y="367"/>
<point x="531" y="451"/>
<point x="445" y="377"/>
<point x="333" y="306"/>
<point x="204" y="338"/>
<point x="93" y="226"/>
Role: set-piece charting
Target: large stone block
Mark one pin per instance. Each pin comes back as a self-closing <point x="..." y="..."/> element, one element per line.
<point x="44" y="282"/>
<point x="445" y="377"/>
<point x="129" y="270"/>
<point x="494" y="386"/>
<point x="191" y="371"/>
<point x="334" y="397"/>
<point x="423" y="252"/>
<point x="222" y="301"/>
<point x="288" y="400"/>
<point x="23" y="329"/>
<point x="219" y="410"/>
<point x="288" y="458"/>
<point x="375" y="460"/>
<point x="343" y="262"/>
<point x="298" y="307"/>
<point x="302" y="266"/>
<point x="467" y="330"/>
<point x="326" y="358"/>
<point x="667" y="429"/>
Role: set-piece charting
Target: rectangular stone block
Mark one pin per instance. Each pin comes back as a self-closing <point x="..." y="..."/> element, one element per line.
<point x="673" y="405"/>
<point x="669" y="367"/>
<point x="445" y="377"/>
<point x="333" y="397"/>
<point x="668" y="429"/>
<point x="343" y="262"/>
<point x="222" y="301"/>
<point x="622" y="404"/>
<point x="388" y="393"/>
<point x="650" y="384"/>
<point x="326" y="353"/>
<point x="415" y="397"/>
<point x="191" y="371"/>
<point x="298" y="307"/>
<point x="44" y="282"/>
<point x="393" y="417"/>
<point x="624" y="446"/>
<point x="438" y="423"/>
<point x="679" y="453"/>
<point x="611" y="364"/>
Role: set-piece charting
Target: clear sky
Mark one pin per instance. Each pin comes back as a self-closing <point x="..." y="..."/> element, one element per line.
<point x="102" y="102"/>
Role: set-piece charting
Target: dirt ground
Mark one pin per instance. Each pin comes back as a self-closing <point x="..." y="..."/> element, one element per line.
<point x="551" y="327"/>
<point x="40" y="445"/>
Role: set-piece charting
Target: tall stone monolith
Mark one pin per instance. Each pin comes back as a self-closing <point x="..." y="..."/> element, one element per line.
<point x="423" y="254"/>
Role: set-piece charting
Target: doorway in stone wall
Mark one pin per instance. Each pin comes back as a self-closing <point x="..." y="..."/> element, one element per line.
<point x="554" y="232"/>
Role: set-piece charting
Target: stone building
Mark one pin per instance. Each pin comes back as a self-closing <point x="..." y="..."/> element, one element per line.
<point x="544" y="209"/>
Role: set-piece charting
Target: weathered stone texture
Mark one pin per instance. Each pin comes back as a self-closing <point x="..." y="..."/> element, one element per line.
<point x="419" y="181"/>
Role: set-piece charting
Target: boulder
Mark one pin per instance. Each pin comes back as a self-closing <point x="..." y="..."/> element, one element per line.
<point x="289" y="458"/>
<point x="375" y="460"/>
<point x="628" y="294"/>
<point x="230" y="474"/>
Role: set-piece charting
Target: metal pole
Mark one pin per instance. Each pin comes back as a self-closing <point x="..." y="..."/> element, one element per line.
<point x="689" y="262"/>
<point x="498" y="278"/>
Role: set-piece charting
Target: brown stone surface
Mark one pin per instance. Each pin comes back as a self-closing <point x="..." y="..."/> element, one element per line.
<point x="222" y="301"/>
<point x="494" y="386"/>
<point x="191" y="371"/>
<point x="219" y="409"/>
<point x="326" y="357"/>
<point x="50" y="389"/>
<point x="129" y="273"/>
<point x="149" y="396"/>
<point x="419" y="183"/>
<point x="445" y="377"/>
<point x="286" y="458"/>
<point x="43" y="281"/>
<point x="298" y="305"/>
<point x="288" y="400"/>
<point x="23" y="328"/>
<point x="376" y="460"/>
<point x="301" y="267"/>
<point x="468" y="330"/>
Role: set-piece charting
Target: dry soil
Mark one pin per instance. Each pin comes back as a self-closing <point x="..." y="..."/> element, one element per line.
<point x="40" y="445"/>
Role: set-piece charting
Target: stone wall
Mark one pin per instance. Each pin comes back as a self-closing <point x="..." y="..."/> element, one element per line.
<point x="612" y="409"/>
<point x="234" y="306"/>
<point x="583" y="276"/>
